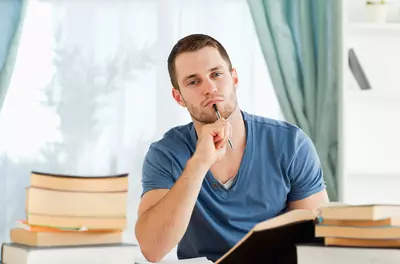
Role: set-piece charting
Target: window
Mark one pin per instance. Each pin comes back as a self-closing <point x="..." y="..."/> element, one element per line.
<point x="91" y="88"/>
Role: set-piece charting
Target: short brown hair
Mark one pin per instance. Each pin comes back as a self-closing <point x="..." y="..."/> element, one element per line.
<point x="192" y="43"/>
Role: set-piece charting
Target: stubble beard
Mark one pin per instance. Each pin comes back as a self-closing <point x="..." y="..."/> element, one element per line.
<point x="208" y="115"/>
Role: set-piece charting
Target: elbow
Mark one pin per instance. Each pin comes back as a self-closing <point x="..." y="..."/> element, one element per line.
<point x="151" y="252"/>
<point x="152" y="255"/>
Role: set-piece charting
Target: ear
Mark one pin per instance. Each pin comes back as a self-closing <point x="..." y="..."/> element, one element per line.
<point x="176" y="94"/>
<point x="235" y="77"/>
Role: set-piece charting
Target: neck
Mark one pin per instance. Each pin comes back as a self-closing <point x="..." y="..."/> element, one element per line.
<point x="238" y="129"/>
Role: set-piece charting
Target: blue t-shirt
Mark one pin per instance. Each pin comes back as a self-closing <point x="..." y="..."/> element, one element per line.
<point x="279" y="165"/>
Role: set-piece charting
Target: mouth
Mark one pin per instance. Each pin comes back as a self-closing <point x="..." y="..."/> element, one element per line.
<point x="211" y="102"/>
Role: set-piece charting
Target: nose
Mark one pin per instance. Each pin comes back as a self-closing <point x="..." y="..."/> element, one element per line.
<point x="209" y="87"/>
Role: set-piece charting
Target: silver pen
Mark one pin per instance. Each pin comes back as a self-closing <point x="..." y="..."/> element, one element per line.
<point x="219" y="117"/>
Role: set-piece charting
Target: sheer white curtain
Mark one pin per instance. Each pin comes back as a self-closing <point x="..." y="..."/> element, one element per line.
<point x="91" y="88"/>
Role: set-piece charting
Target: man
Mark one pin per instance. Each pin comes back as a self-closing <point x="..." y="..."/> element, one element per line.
<point x="200" y="194"/>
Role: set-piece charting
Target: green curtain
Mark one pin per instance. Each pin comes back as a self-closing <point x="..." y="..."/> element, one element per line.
<point x="300" y="40"/>
<point x="11" y="20"/>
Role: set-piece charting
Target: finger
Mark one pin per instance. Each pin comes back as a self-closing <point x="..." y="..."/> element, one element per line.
<point x="221" y="138"/>
<point x="229" y="129"/>
<point x="221" y="122"/>
<point x="220" y="144"/>
<point x="225" y="141"/>
<point x="222" y="141"/>
<point x="219" y="132"/>
<point x="217" y="138"/>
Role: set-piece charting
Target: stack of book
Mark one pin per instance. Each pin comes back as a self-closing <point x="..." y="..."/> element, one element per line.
<point x="362" y="225"/>
<point x="355" y="234"/>
<point x="71" y="219"/>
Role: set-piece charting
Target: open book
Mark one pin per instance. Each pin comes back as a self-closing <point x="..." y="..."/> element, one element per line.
<point x="274" y="240"/>
<point x="202" y="260"/>
<point x="271" y="241"/>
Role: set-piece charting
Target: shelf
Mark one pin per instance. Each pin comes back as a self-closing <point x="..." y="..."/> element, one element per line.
<point x="375" y="26"/>
<point x="372" y="174"/>
<point x="373" y="95"/>
<point x="368" y="29"/>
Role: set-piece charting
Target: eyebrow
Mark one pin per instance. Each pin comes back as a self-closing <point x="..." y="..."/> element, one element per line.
<point x="195" y="75"/>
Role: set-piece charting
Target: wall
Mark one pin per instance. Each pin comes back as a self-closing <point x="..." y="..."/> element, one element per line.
<point x="371" y="121"/>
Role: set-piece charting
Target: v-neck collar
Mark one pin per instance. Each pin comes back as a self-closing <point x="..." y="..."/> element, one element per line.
<point x="210" y="180"/>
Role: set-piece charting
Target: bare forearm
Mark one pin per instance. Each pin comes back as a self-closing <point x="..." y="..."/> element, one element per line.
<point x="160" y="228"/>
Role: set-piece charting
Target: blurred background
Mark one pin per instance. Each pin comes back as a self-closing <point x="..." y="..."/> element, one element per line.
<point x="84" y="86"/>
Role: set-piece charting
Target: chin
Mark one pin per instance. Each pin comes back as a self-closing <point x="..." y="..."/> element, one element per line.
<point x="228" y="111"/>
<point x="204" y="119"/>
<point x="209" y="116"/>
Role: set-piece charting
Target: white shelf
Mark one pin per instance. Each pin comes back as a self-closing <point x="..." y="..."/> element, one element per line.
<point x="373" y="94"/>
<point x="375" y="26"/>
<point x="373" y="173"/>
<point x="388" y="30"/>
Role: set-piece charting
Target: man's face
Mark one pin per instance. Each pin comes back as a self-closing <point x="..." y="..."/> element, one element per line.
<point x="205" y="79"/>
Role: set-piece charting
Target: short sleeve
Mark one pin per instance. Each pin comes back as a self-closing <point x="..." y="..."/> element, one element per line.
<point x="305" y="171"/>
<point x="157" y="171"/>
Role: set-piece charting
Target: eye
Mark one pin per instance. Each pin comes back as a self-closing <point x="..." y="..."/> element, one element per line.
<point x="192" y="83"/>
<point x="217" y="74"/>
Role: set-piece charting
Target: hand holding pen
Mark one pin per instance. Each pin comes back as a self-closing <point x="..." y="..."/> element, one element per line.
<point x="219" y="117"/>
<point x="212" y="141"/>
